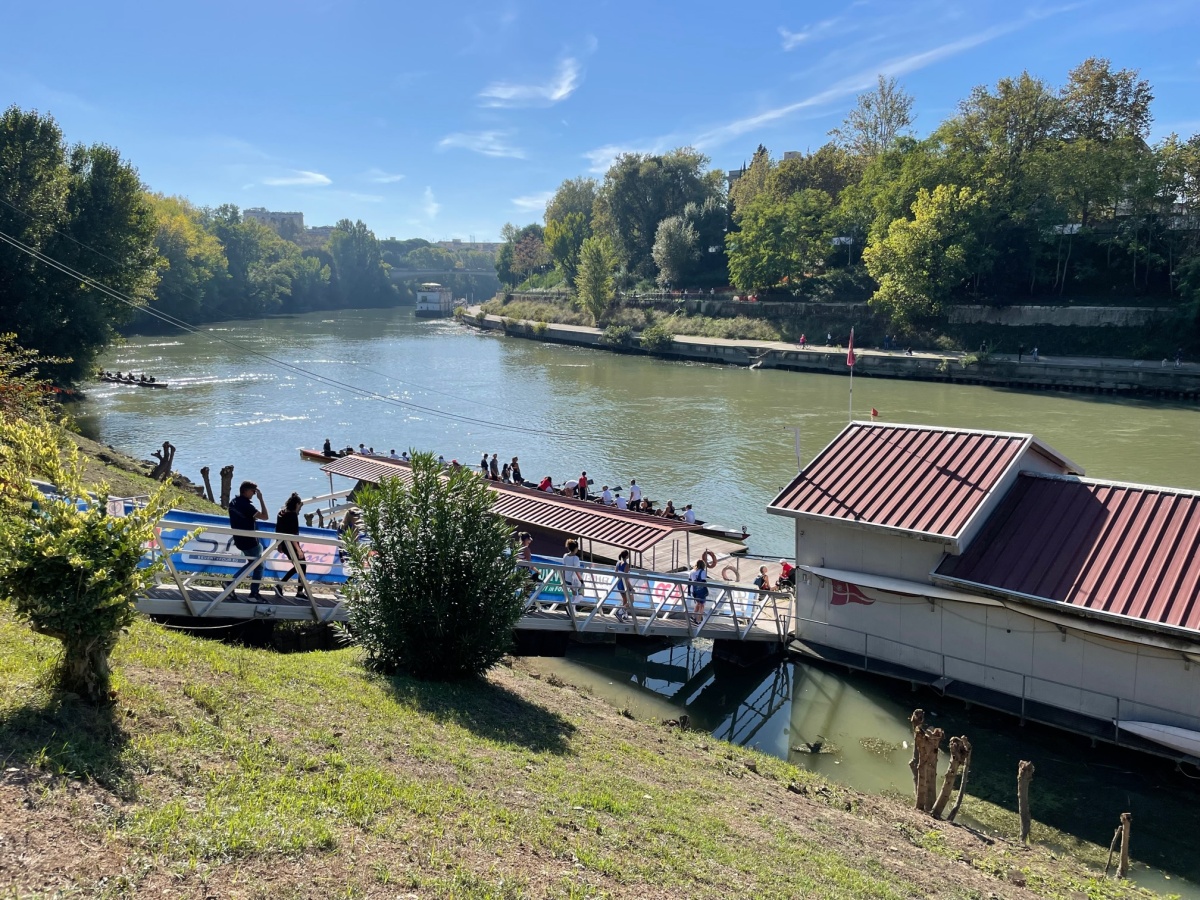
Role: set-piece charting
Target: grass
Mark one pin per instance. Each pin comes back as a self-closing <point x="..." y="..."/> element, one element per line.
<point x="225" y="771"/>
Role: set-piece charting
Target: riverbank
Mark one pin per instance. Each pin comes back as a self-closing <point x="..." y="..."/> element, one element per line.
<point x="228" y="771"/>
<point x="1083" y="374"/>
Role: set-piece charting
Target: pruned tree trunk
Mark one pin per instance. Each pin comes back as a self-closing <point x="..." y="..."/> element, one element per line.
<point x="166" y="458"/>
<point x="84" y="668"/>
<point x="928" y="740"/>
<point x="1024" y="776"/>
<point x="962" y="784"/>
<point x="1112" y="848"/>
<point x="308" y="517"/>
<point x="1126" y="825"/>
<point x="226" y="485"/>
<point x="917" y="721"/>
<point x="960" y="749"/>
<point x="208" y="492"/>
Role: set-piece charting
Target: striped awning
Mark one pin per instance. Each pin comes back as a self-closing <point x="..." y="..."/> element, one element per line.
<point x="530" y="508"/>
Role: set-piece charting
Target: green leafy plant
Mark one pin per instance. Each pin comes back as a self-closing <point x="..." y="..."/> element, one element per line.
<point x="23" y="395"/>
<point x="435" y="589"/>
<point x="657" y="339"/>
<point x="68" y="567"/>
<point x="617" y="336"/>
<point x="540" y="329"/>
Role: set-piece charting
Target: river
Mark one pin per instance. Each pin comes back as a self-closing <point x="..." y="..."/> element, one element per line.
<point x="718" y="437"/>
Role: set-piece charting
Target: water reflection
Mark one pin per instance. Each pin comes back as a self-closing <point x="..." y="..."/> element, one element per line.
<point x="852" y="728"/>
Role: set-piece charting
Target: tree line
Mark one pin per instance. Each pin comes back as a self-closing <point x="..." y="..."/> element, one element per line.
<point x="1026" y="191"/>
<point x="85" y="210"/>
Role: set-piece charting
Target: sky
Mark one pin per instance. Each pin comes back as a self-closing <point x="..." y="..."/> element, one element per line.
<point x="446" y="120"/>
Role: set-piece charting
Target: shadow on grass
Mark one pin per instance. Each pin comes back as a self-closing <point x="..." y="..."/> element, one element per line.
<point x="486" y="710"/>
<point x="70" y="740"/>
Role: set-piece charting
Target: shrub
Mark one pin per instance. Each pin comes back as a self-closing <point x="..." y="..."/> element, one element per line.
<point x="540" y="328"/>
<point x="480" y="317"/>
<point x="68" y="567"/>
<point x="657" y="339"/>
<point x="435" y="591"/>
<point x="617" y="336"/>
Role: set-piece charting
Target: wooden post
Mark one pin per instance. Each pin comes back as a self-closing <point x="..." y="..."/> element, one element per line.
<point x="1123" y="865"/>
<point x="226" y="485"/>
<point x="928" y="741"/>
<point x="166" y="458"/>
<point x="207" y="484"/>
<point x="962" y="784"/>
<point x="1024" y="776"/>
<point x="959" y="748"/>
<point x="1112" y="848"/>
<point x="917" y="721"/>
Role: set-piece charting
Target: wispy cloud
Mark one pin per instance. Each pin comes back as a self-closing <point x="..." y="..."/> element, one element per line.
<point x="378" y="176"/>
<point x="559" y="87"/>
<point x="487" y="143"/>
<point x="601" y="158"/>
<point x="863" y="79"/>
<point x="793" y="39"/>
<point x="298" y="178"/>
<point x="429" y="204"/>
<point x="533" y="202"/>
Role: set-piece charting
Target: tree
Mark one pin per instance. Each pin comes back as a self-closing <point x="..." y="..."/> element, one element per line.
<point x="877" y="119"/>
<point x="86" y="210"/>
<point x="675" y="250"/>
<point x="922" y="261"/>
<point x="191" y="263"/>
<point x="781" y="239"/>
<point x="574" y="196"/>
<point x="435" y="591"/>
<point x="523" y="251"/>
<point x="1102" y="105"/>
<point x="751" y="182"/>
<point x="68" y="567"/>
<point x="829" y="169"/>
<point x="564" y="237"/>
<point x="358" y="267"/>
<point x="594" y="281"/>
<point x="640" y="190"/>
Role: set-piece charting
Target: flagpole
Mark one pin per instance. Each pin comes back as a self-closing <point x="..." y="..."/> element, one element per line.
<point x="851" y="415"/>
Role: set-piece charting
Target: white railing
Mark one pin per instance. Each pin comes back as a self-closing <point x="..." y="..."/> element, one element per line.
<point x="590" y="599"/>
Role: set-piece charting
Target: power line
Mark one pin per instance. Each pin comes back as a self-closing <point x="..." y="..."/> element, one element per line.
<point x="290" y="367"/>
<point x="181" y="324"/>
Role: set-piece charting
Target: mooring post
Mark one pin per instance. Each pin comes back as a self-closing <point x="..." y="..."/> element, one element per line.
<point x="1024" y="776"/>
<point x="1126" y="824"/>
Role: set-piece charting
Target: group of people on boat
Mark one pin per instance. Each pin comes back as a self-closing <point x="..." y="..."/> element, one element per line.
<point x="127" y="378"/>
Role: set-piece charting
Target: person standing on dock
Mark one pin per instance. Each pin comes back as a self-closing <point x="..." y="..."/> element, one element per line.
<point x="242" y="516"/>
<point x="483" y="465"/>
<point x="635" y="493"/>
<point x="625" y="613"/>
<point x="516" y="472"/>
<point x="572" y="583"/>
<point x="699" y="590"/>
<point x="582" y="487"/>
<point x="494" y="466"/>
<point x="288" y="522"/>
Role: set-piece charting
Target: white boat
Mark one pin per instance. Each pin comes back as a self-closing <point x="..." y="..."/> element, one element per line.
<point x="1182" y="739"/>
<point x="433" y="300"/>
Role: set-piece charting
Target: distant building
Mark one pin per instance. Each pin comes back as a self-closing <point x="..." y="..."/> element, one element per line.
<point x="280" y="221"/>
<point x="434" y="300"/>
<point x="460" y="244"/>
<point x="792" y="154"/>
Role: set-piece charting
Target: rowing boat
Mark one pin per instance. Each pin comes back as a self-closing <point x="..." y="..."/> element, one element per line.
<point x="314" y="455"/>
<point x="135" y="382"/>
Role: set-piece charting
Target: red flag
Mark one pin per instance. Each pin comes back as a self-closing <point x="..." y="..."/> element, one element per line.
<point x="850" y="351"/>
<point x="874" y="412"/>
<point x="844" y="593"/>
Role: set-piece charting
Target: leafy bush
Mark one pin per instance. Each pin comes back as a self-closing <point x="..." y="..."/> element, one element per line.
<point x="480" y="317"/>
<point x="946" y="343"/>
<point x="657" y="339"/>
<point x="435" y="592"/>
<point x="539" y="311"/>
<point x="617" y="336"/>
<point x="22" y="394"/>
<point x="741" y="328"/>
<point x="69" y="568"/>
<point x="540" y="329"/>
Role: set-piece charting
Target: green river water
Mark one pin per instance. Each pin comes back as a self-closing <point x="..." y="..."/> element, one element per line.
<point x="718" y="437"/>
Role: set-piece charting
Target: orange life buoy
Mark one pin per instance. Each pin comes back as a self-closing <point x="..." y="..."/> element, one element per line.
<point x="710" y="559"/>
<point x="729" y="573"/>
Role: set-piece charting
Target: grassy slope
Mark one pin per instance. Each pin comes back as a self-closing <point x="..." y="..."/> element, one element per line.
<point x="225" y="771"/>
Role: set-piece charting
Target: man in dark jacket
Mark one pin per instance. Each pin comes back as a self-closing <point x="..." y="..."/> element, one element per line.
<point x="242" y="516"/>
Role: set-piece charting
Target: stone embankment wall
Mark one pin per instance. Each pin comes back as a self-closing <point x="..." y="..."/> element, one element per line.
<point x="1095" y="376"/>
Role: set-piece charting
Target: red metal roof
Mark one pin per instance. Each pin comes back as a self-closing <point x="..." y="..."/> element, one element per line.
<point x="928" y="480"/>
<point x="1125" y="550"/>
<point x="537" y="509"/>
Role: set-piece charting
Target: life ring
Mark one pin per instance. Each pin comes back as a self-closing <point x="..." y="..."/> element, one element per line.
<point x="710" y="559"/>
<point x="729" y="573"/>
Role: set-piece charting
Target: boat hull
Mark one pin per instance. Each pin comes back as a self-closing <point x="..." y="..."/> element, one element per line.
<point x="1182" y="739"/>
<point x="314" y="455"/>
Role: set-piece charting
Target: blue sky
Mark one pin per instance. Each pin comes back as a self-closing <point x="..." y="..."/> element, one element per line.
<point x="443" y="120"/>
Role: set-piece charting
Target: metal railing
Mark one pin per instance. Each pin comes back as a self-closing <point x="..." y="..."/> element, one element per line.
<point x="590" y="598"/>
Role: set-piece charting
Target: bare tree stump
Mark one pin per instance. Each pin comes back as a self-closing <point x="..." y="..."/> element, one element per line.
<point x="308" y="517"/>
<point x="1112" y="848"/>
<point x="1024" y="776"/>
<point x="960" y="747"/>
<point x="917" y="721"/>
<point x="1123" y="865"/>
<point x="928" y="740"/>
<point x="226" y="485"/>
<point x="207" y="484"/>
<point x="320" y="519"/>
<point x="962" y="784"/>
<point x="166" y="458"/>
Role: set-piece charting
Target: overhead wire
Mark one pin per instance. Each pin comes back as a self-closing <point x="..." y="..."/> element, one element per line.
<point x="246" y="348"/>
<point x="181" y="323"/>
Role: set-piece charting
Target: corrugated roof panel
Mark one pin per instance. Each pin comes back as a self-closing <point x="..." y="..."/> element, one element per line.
<point x="927" y="480"/>
<point x="538" y="509"/>
<point x="1125" y="550"/>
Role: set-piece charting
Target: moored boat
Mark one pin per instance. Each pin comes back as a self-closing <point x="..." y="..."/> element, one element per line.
<point x="314" y="455"/>
<point x="1182" y="739"/>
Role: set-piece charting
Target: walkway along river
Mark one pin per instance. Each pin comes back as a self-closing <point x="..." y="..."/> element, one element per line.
<point x="716" y="436"/>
